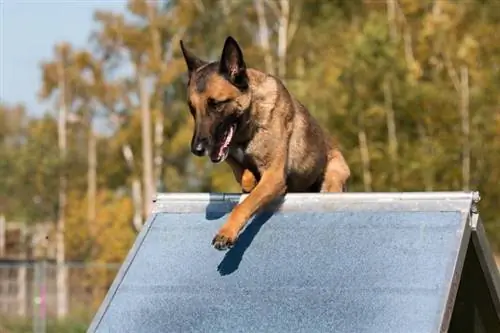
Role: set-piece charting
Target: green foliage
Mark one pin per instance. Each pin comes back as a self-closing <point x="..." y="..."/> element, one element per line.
<point x="30" y="164"/>
<point x="70" y="325"/>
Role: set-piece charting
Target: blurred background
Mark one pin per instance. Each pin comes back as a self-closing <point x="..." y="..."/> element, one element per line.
<point x="94" y="121"/>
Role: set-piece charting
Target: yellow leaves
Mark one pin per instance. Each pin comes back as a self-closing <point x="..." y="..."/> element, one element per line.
<point x="173" y="70"/>
<point x="49" y="79"/>
<point x="223" y="180"/>
<point x="410" y="7"/>
<point x="12" y="119"/>
<point x="83" y="59"/>
<point x="77" y="234"/>
<point x="445" y="38"/>
<point x="375" y="111"/>
<point x="173" y="180"/>
<point x="446" y="15"/>
<point x="138" y="7"/>
<point x="497" y="121"/>
<point x="468" y="50"/>
<point x="105" y="240"/>
<point x="109" y="237"/>
<point x="114" y="235"/>
<point x="444" y="21"/>
<point x="414" y="72"/>
<point x="182" y="138"/>
<point x="63" y="50"/>
<point x="186" y="12"/>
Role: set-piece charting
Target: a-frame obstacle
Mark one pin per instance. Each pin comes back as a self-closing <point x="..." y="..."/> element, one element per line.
<point x="344" y="263"/>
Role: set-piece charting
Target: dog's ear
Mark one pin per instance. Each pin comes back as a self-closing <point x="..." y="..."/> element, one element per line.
<point x="232" y="64"/>
<point x="192" y="61"/>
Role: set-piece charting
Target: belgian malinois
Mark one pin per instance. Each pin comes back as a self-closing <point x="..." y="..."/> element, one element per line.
<point x="250" y="120"/>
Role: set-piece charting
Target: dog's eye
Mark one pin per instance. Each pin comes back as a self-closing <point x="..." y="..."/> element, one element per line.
<point x="214" y="104"/>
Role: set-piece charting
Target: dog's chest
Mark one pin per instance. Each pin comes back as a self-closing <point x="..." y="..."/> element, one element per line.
<point x="249" y="157"/>
<point x="238" y="153"/>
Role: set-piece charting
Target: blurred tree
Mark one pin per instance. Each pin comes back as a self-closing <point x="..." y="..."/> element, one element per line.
<point x="59" y="76"/>
<point x="147" y="44"/>
<point x="29" y="165"/>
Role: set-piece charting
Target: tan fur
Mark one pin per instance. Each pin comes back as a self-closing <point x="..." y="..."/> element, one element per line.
<point x="284" y="148"/>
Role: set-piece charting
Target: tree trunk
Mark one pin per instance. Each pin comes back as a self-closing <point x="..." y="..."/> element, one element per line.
<point x="436" y="8"/>
<point x="91" y="177"/>
<point x="3" y="233"/>
<point x="264" y="35"/>
<point x="137" y="202"/>
<point x="136" y="188"/>
<point x="426" y="166"/>
<point x="391" y="17"/>
<point x="464" y="113"/>
<point x="158" y="160"/>
<point x="22" y="275"/>
<point x="391" y="134"/>
<point x="283" y="22"/>
<point x="365" y="160"/>
<point x="147" y="152"/>
<point x="159" y="119"/>
<point x="61" y="277"/>
<point x="365" y="153"/>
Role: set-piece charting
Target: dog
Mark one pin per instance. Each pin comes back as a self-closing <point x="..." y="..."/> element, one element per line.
<point x="250" y="120"/>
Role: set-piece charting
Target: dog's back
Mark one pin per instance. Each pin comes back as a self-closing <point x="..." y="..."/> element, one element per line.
<point x="309" y="148"/>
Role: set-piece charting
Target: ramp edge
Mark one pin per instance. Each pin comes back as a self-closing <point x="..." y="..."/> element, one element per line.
<point x="456" y="268"/>
<point x="376" y="201"/>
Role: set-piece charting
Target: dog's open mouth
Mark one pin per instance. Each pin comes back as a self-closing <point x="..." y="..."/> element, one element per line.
<point x="221" y="147"/>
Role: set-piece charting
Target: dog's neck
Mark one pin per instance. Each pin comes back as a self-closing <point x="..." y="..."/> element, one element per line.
<point x="263" y="88"/>
<point x="238" y="153"/>
<point x="247" y="128"/>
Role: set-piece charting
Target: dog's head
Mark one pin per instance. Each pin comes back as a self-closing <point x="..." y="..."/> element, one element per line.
<point x="218" y="99"/>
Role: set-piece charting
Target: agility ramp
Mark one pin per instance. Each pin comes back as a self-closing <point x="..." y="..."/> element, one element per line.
<point x="344" y="263"/>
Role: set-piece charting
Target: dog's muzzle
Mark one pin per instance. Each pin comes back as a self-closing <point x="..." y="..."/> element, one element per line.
<point x="199" y="147"/>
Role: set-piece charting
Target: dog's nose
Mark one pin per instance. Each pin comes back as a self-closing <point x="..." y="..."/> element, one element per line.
<point x="199" y="147"/>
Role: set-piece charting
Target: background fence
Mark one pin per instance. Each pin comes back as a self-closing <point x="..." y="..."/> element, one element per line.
<point x="28" y="292"/>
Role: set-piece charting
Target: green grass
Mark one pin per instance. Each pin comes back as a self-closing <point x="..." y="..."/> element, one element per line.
<point x="70" y="325"/>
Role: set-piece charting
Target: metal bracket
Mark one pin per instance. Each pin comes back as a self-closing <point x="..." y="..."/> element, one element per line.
<point x="476" y="197"/>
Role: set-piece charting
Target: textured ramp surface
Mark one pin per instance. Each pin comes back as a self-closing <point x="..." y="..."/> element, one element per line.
<point x="292" y="271"/>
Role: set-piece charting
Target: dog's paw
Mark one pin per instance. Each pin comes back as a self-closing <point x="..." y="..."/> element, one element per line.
<point x="223" y="240"/>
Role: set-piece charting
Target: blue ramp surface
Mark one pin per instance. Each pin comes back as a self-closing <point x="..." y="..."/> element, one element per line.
<point x="315" y="263"/>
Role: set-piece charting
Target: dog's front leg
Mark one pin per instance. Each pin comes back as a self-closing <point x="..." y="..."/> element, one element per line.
<point x="271" y="185"/>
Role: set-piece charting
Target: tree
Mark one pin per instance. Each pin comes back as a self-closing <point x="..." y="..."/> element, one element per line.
<point x="57" y="76"/>
<point x="30" y="159"/>
<point x="148" y="46"/>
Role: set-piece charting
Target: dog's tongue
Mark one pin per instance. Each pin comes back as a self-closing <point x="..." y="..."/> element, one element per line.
<point x="225" y="144"/>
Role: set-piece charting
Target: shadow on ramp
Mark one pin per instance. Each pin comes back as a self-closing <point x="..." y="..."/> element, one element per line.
<point x="233" y="256"/>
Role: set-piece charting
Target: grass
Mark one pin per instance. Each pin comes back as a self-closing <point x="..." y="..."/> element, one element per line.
<point x="69" y="325"/>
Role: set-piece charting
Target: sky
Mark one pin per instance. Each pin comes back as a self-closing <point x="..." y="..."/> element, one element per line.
<point x="29" y="29"/>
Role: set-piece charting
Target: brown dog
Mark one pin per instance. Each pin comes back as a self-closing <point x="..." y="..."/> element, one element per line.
<point x="250" y="120"/>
